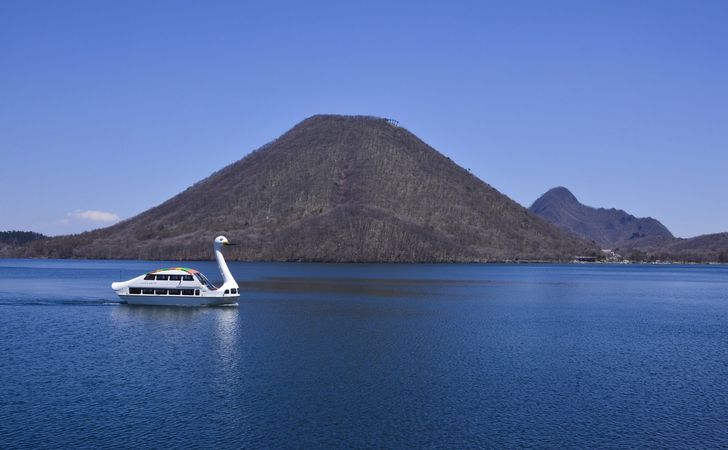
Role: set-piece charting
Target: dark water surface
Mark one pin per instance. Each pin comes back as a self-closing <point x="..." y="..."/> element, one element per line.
<point x="335" y="355"/>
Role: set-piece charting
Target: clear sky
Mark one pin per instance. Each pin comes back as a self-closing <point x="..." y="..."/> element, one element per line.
<point x="110" y="108"/>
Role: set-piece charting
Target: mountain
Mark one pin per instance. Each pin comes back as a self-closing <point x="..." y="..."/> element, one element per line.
<point x="639" y="239"/>
<point x="10" y="240"/>
<point x="703" y="248"/>
<point x="333" y="188"/>
<point x="609" y="228"/>
<point x="19" y="237"/>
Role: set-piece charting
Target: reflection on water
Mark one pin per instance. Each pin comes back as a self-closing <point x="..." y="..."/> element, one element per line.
<point x="226" y="321"/>
<point x="372" y="287"/>
<point x="169" y="314"/>
<point x="172" y="326"/>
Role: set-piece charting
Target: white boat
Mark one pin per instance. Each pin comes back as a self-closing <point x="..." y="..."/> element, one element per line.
<point x="181" y="286"/>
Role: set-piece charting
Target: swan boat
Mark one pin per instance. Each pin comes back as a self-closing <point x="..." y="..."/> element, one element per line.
<point x="180" y="286"/>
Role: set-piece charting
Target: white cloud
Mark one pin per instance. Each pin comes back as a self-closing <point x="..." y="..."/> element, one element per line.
<point x="95" y="216"/>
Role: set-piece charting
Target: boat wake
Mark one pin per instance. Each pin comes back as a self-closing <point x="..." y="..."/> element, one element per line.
<point x="57" y="302"/>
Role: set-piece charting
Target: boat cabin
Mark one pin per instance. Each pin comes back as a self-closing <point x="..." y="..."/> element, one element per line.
<point x="174" y="281"/>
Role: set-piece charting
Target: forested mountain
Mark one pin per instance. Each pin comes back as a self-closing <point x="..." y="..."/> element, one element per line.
<point x="12" y="241"/>
<point x="333" y="188"/>
<point x="18" y="237"/>
<point x="703" y="248"/>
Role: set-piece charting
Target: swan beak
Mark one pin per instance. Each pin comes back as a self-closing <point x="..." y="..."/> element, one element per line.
<point x="227" y="243"/>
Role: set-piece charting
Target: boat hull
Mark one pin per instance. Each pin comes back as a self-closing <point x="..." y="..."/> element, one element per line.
<point x="173" y="300"/>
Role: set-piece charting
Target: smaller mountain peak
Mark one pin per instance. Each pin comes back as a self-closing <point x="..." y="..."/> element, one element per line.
<point x="560" y="193"/>
<point x="610" y="228"/>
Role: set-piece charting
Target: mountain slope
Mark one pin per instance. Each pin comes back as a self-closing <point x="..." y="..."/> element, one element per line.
<point x="10" y="240"/>
<point x="703" y="248"/>
<point x="333" y="188"/>
<point x="19" y="237"/>
<point x="610" y="228"/>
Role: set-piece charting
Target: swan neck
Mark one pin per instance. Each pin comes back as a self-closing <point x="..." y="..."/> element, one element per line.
<point x="227" y="277"/>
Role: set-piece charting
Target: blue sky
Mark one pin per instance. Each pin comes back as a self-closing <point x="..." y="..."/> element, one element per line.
<point x="110" y="108"/>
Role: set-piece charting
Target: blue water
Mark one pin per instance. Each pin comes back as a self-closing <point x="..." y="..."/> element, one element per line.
<point x="334" y="355"/>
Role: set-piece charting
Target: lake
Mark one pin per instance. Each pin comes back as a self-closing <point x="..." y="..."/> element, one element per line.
<point x="340" y="355"/>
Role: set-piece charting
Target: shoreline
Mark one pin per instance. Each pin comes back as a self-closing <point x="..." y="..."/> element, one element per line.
<point x="492" y="262"/>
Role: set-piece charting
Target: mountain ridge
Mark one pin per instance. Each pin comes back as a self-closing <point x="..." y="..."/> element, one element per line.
<point x="610" y="228"/>
<point x="638" y="239"/>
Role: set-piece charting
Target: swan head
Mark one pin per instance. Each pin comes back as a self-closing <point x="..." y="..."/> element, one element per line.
<point x="220" y="241"/>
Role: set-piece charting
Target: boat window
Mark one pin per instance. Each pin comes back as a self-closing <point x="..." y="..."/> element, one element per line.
<point x="174" y="292"/>
<point x="197" y="292"/>
<point x="160" y="291"/>
<point x="203" y="279"/>
<point x="187" y="278"/>
<point x="149" y="277"/>
<point x="162" y="277"/>
<point x="175" y="277"/>
<point x="188" y="291"/>
<point x="233" y="291"/>
<point x="135" y="291"/>
<point x="147" y="291"/>
<point x="227" y="291"/>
